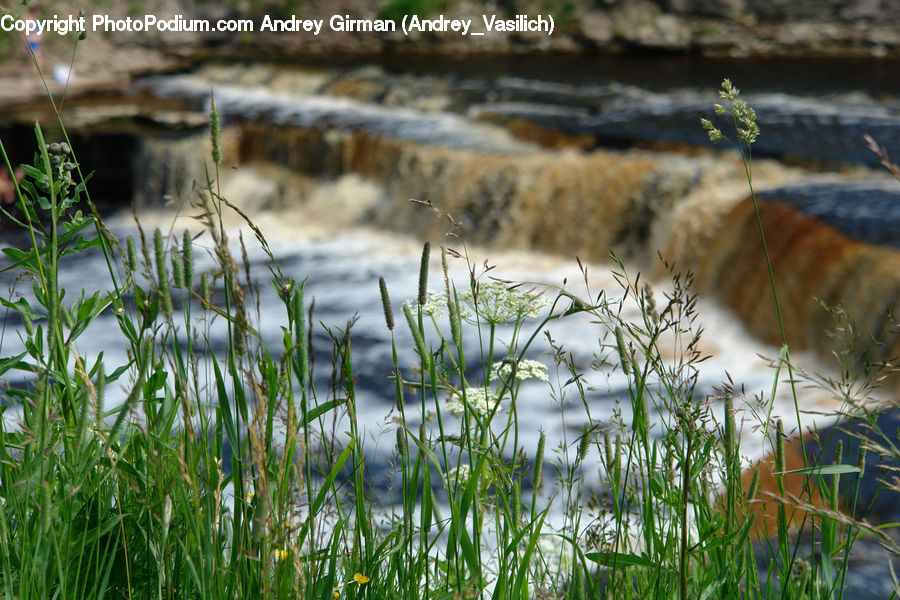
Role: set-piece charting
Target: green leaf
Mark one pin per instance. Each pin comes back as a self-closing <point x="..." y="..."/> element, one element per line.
<point x="825" y="470"/>
<point x="24" y="260"/>
<point x="22" y="307"/>
<point x="13" y="362"/>
<point x="321" y="409"/>
<point x="89" y="310"/>
<point x="619" y="559"/>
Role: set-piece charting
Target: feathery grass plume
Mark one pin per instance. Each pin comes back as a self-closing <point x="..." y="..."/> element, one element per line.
<point x="214" y="131"/>
<point x="423" y="274"/>
<point x="585" y="445"/>
<point x="537" y="476"/>
<point x="132" y="255"/>
<point x="162" y="276"/>
<point x="417" y="337"/>
<point x="386" y="304"/>
<point x="187" y="252"/>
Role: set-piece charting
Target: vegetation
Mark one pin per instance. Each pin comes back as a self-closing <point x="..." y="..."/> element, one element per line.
<point x="223" y="475"/>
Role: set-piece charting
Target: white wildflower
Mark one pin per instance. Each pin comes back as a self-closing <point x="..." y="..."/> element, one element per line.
<point x="496" y="303"/>
<point x="481" y="401"/>
<point x="525" y="369"/>
<point x="435" y="305"/>
<point x="458" y="475"/>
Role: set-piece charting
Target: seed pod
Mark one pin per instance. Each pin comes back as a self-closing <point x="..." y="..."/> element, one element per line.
<point x="453" y="315"/>
<point x="417" y="338"/>
<point x="46" y="507"/>
<point x="204" y="288"/>
<point x="536" y="479"/>
<point x="423" y="273"/>
<point x="177" y="268"/>
<point x="131" y="255"/>
<point x="100" y="387"/>
<point x="146" y="354"/>
<point x="754" y="485"/>
<point x="401" y="443"/>
<point x="730" y="431"/>
<point x="214" y="133"/>
<point x="162" y="276"/>
<point x="187" y="252"/>
<point x="386" y="304"/>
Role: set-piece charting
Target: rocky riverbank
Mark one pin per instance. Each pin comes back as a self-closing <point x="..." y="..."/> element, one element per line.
<point x="728" y="28"/>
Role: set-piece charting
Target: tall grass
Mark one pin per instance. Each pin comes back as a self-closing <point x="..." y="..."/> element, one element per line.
<point x="221" y="475"/>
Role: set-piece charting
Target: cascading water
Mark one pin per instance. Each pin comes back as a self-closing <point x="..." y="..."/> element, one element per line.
<point x="323" y="151"/>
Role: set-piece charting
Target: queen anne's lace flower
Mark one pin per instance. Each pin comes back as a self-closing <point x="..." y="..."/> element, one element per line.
<point x="458" y="475"/>
<point x="481" y="401"/>
<point x="497" y="303"/>
<point x="525" y="369"/>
